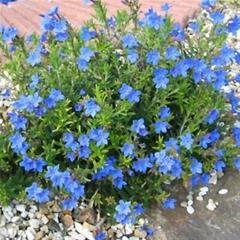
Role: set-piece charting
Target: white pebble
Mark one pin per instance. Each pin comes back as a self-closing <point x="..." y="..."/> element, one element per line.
<point x="190" y="202"/>
<point x="190" y="209"/>
<point x="183" y="204"/>
<point x="85" y="232"/>
<point x="21" y="208"/>
<point x="199" y="198"/>
<point x="34" y="223"/>
<point x="223" y="191"/>
<point x="211" y="205"/>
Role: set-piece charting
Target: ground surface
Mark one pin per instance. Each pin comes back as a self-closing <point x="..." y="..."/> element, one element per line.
<point x="25" y="14"/>
<point x="221" y="224"/>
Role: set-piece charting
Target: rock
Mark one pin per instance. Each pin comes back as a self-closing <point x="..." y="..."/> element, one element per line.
<point x="2" y="221"/>
<point x="44" y="219"/>
<point x="44" y="228"/>
<point x="85" y="232"/>
<point x="119" y="233"/>
<point x="211" y="205"/>
<point x="31" y="215"/>
<point x="4" y="232"/>
<point x="184" y="204"/>
<point x="110" y="233"/>
<point x="55" y="208"/>
<point x="124" y="238"/>
<point x="24" y="215"/>
<point x="223" y="191"/>
<point x="199" y="198"/>
<point x="134" y="238"/>
<point x="21" y="208"/>
<point x="39" y="235"/>
<point x="86" y="215"/>
<point x="34" y="223"/>
<point x="190" y="202"/>
<point x="190" y="209"/>
<point x="38" y="215"/>
<point x="140" y="234"/>
<point x="12" y="231"/>
<point x="30" y="233"/>
<point x="15" y="219"/>
<point x="128" y="229"/>
<point x="90" y="227"/>
<point x="74" y="236"/>
<point x="67" y="220"/>
<point x="8" y="213"/>
<point x="53" y="226"/>
<point x="33" y="209"/>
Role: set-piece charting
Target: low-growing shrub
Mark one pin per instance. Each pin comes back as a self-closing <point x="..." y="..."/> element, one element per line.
<point x="114" y="111"/>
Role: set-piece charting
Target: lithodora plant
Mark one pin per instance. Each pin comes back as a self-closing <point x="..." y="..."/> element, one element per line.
<point x="115" y="110"/>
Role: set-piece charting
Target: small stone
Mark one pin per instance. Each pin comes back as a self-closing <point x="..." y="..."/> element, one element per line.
<point x="133" y="238"/>
<point x="30" y="233"/>
<point x="75" y="236"/>
<point x="190" y="202"/>
<point x="83" y="231"/>
<point x="128" y="229"/>
<point x="190" y="209"/>
<point x="15" y="219"/>
<point x="4" y="232"/>
<point x="2" y="221"/>
<point x="8" y="213"/>
<point x="31" y="215"/>
<point x="140" y="234"/>
<point x="12" y="232"/>
<point x="110" y="233"/>
<point x="184" y="204"/>
<point x="67" y="220"/>
<point x="39" y="235"/>
<point x="124" y="238"/>
<point x="199" y="198"/>
<point x="119" y="233"/>
<point x="34" y="223"/>
<point x="24" y="215"/>
<point x="223" y="191"/>
<point x="44" y="219"/>
<point x="86" y="215"/>
<point x="38" y="215"/>
<point x="21" y="208"/>
<point x="33" y="209"/>
<point x="90" y="227"/>
<point x="55" y="208"/>
<point x="211" y="205"/>
<point x="44" y="228"/>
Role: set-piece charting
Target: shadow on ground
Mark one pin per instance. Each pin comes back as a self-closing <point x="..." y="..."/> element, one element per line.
<point x="221" y="224"/>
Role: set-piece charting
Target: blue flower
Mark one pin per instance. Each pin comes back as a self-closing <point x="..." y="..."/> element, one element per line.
<point x="125" y="213"/>
<point x="139" y="127"/>
<point x="127" y="92"/>
<point x="18" y="122"/>
<point x="34" y="82"/>
<point x="71" y="156"/>
<point x="196" y="167"/>
<point x="194" y="26"/>
<point x="160" y="78"/>
<point x="236" y="163"/>
<point x="164" y="112"/>
<point x="38" y="194"/>
<point x="132" y="56"/>
<point x="212" y="116"/>
<point x="91" y="108"/>
<point x="99" y="135"/>
<point x="234" y="101"/>
<point x="165" y="7"/>
<point x="127" y="150"/>
<point x="86" y="34"/>
<point x="9" y="34"/>
<point x="32" y="164"/>
<point x="169" y="203"/>
<point x="100" y="236"/>
<point x="234" y="25"/>
<point x="186" y="141"/>
<point x="34" y="57"/>
<point x="153" y="20"/>
<point x="85" y="56"/>
<point x="236" y="136"/>
<point x="69" y="204"/>
<point x="217" y="17"/>
<point x="28" y="103"/>
<point x="208" y="3"/>
<point x="18" y="143"/>
<point x="177" y="32"/>
<point x="83" y="140"/>
<point x="209" y="138"/>
<point x="78" y="107"/>
<point x="172" y="53"/>
<point x="54" y="96"/>
<point x="153" y="57"/>
<point x="84" y="152"/>
<point x="219" y="166"/>
<point x="172" y="144"/>
<point x="180" y="68"/>
<point x="161" y="127"/>
<point x="68" y="138"/>
<point x="142" y="165"/>
<point x="129" y="41"/>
